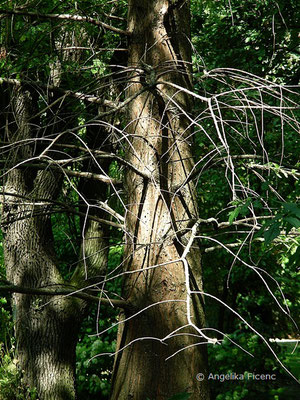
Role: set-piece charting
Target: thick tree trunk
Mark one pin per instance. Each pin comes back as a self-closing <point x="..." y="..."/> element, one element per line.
<point x="160" y="210"/>
<point x="46" y="327"/>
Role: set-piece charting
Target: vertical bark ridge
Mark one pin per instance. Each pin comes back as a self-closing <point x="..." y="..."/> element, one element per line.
<point x="157" y="213"/>
<point x="46" y="327"/>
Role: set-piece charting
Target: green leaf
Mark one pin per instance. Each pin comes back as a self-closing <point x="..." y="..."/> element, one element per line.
<point x="257" y="204"/>
<point x="295" y="222"/>
<point x="233" y="214"/>
<point x="292" y="208"/>
<point x="295" y="258"/>
<point x="244" y="210"/>
<point x="272" y="232"/>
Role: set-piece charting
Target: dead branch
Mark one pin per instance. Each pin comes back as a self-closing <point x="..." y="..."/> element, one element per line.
<point x="69" y="93"/>
<point x="63" y="291"/>
<point x="69" y="17"/>
<point x="64" y="208"/>
<point x="77" y="174"/>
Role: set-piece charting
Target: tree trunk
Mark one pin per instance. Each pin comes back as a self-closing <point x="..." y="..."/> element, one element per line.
<point x="160" y="212"/>
<point x="46" y="328"/>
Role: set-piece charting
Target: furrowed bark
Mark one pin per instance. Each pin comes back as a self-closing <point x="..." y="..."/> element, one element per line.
<point x="46" y="327"/>
<point x="158" y="212"/>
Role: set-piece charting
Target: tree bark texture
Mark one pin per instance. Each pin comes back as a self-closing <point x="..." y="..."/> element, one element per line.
<point x="46" y="328"/>
<point x="160" y="209"/>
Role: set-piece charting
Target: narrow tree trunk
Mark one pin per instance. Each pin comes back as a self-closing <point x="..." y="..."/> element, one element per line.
<point x="160" y="210"/>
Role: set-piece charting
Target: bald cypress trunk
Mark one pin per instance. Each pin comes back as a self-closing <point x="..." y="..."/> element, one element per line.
<point x="160" y="210"/>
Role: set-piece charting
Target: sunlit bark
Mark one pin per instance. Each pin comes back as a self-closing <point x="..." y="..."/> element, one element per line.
<point x="159" y="210"/>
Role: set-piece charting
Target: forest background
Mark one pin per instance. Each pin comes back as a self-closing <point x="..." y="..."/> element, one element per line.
<point x="248" y="53"/>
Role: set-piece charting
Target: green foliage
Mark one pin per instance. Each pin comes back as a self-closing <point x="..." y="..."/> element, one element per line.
<point x="92" y="370"/>
<point x="228" y="359"/>
<point x="11" y="384"/>
<point x="257" y="36"/>
<point x="287" y="217"/>
<point x="242" y="208"/>
<point x="65" y="231"/>
<point x="5" y="322"/>
<point x="38" y="44"/>
<point x="99" y="67"/>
